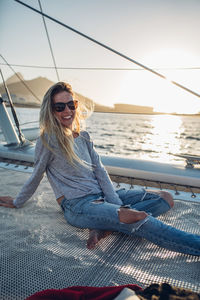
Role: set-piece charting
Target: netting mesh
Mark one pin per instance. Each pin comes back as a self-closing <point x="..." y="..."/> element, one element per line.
<point x="40" y="251"/>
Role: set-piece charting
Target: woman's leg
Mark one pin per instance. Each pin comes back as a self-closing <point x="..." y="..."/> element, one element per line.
<point x="156" y="231"/>
<point x="159" y="233"/>
<point x="89" y="213"/>
<point x="164" y="195"/>
<point x="169" y="237"/>
<point x="153" y="202"/>
<point x="74" y="214"/>
<point x="126" y="216"/>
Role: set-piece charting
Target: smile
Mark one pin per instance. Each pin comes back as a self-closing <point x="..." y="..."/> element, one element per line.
<point x="67" y="118"/>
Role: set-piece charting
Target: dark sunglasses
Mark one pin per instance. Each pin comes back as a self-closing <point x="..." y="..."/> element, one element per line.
<point x="60" y="106"/>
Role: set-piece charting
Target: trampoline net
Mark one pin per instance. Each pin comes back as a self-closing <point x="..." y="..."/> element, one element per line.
<point x="39" y="250"/>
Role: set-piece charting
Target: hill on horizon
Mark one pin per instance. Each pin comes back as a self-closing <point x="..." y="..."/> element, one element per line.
<point x="21" y="95"/>
<point x="15" y="78"/>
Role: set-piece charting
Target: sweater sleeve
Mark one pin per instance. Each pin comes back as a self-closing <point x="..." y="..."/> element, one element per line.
<point x="41" y="159"/>
<point x="102" y="176"/>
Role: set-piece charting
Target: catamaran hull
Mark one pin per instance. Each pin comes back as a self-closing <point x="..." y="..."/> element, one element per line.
<point x="132" y="168"/>
<point x="153" y="171"/>
<point x="30" y="134"/>
<point x="25" y="154"/>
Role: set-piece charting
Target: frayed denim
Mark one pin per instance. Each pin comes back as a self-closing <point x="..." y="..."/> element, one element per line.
<point x="94" y="212"/>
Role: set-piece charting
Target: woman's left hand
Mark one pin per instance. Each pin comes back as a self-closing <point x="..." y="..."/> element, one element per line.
<point x="7" y="201"/>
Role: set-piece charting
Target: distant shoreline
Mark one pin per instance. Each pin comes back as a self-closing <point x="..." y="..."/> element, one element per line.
<point x="143" y="113"/>
<point x="115" y="112"/>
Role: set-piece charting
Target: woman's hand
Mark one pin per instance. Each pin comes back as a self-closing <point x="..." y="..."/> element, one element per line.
<point x="7" y="201"/>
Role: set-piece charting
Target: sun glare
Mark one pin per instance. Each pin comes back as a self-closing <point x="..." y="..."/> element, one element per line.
<point x="164" y="136"/>
<point x="169" y="58"/>
<point x="144" y="88"/>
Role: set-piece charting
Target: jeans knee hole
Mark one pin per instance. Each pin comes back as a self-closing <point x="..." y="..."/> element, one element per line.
<point x="98" y="201"/>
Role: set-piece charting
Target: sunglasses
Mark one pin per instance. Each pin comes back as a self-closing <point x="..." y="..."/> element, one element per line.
<point x="60" y="106"/>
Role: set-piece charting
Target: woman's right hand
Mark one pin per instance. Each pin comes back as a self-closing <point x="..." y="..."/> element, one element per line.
<point x="7" y="201"/>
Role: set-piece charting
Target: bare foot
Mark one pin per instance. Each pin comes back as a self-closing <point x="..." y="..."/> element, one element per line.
<point x="95" y="236"/>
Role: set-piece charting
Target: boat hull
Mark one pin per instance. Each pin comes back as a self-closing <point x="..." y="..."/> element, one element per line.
<point x="117" y="166"/>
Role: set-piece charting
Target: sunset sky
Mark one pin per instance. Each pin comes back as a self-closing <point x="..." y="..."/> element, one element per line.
<point x="163" y="35"/>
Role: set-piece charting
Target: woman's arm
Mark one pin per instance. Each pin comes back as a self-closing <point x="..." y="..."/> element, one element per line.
<point x="102" y="176"/>
<point x="41" y="160"/>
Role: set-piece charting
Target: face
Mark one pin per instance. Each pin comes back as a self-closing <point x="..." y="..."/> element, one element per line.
<point x="67" y="116"/>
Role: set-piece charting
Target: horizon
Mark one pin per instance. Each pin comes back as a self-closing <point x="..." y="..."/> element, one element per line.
<point x="102" y="105"/>
<point x="160" y="35"/>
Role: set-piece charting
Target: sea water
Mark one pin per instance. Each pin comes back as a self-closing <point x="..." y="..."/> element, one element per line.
<point x="150" y="137"/>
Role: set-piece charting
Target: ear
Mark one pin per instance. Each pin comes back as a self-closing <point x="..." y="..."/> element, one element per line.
<point x="76" y="103"/>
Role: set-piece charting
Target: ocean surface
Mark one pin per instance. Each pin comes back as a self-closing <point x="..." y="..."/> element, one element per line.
<point x="149" y="137"/>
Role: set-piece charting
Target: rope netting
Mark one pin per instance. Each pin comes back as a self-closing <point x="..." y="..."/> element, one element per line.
<point x="39" y="250"/>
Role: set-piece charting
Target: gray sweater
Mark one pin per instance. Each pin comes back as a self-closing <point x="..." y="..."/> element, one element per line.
<point x="70" y="182"/>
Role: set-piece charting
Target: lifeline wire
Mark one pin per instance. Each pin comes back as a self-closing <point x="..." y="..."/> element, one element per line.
<point x="109" y="48"/>
<point x="98" y="69"/>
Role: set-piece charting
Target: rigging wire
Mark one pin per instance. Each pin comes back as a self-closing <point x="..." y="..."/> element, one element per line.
<point x="100" y="69"/>
<point x="20" y="134"/>
<point x="109" y="48"/>
<point x="22" y="81"/>
<point x="48" y="38"/>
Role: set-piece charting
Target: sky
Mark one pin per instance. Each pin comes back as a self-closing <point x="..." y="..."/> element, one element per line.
<point x="162" y="35"/>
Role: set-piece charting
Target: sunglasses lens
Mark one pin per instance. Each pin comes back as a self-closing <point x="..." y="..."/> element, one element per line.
<point x="71" y="105"/>
<point x="60" y="106"/>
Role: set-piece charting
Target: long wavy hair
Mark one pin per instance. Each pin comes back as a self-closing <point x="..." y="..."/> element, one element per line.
<point x="52" y="127"/>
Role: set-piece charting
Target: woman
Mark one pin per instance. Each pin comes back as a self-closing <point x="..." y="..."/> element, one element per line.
<point x="83" y="188"/>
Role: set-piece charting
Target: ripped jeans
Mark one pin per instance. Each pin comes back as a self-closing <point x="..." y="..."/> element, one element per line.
<point x="94" y="212"/>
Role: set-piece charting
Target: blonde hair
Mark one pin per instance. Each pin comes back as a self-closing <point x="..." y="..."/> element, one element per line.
<point x="52" y="127"/>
